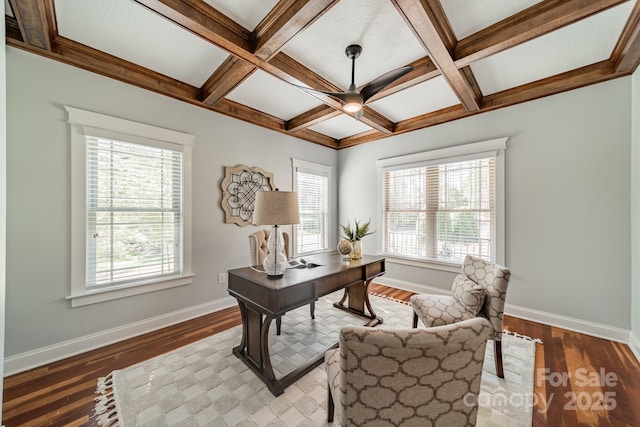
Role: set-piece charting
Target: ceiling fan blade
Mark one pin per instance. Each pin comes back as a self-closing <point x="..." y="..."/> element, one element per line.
<point x="383" y="81"/>
<point x="344" y="97"/>
<point x="339" y="95"/>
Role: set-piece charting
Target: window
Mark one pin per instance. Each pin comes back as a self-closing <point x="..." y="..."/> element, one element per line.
<point x="441" y="205"/>
<point x="311" y="182"/>
<point x="131" y="208"/>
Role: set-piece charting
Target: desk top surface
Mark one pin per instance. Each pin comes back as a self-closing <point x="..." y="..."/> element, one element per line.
<point x="329" y="263"/>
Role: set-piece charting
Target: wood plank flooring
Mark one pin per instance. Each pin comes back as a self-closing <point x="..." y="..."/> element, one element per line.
<point x="603" y="388"/>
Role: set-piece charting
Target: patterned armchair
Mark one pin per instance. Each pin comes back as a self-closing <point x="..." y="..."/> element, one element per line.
<point x="258" y="249"/>
<point x="407" y="377"/>
<point x="479" y="290"/>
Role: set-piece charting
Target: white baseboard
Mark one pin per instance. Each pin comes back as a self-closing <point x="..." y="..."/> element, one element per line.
<point x="634" y="345"/>
<point x="584" y="327"/>
<point x="410" y="286"/>
<point x="49" y="354"/>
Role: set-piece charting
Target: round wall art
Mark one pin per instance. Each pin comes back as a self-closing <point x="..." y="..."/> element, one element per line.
<point x="239" y="188"/>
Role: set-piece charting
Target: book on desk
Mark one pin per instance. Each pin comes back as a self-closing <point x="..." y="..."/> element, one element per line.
<point x="302" y="263"/>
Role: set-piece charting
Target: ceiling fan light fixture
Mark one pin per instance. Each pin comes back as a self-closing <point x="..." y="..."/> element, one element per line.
<point x="352" y="101"/>
<point x="352" y="106"/>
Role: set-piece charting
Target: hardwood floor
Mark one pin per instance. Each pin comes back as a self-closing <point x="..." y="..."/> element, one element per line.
<point x="603" y="374"/>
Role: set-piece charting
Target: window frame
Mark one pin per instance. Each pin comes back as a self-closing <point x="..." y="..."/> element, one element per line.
<point x="86" y="123"/>
<point x="319" y="170"/>
<point x="491" y="148"/>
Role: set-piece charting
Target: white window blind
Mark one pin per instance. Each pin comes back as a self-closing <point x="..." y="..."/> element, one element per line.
<point x="311" y="182"/>
<point x="441" y="212"/>
<point x="439" y="206"/>
<point x="134" y="212"/>
<point x="131" y="193"/>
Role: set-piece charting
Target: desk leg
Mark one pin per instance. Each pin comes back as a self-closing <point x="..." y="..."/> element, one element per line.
<point x="358" y="296"/>
<point x="254" y="347"/>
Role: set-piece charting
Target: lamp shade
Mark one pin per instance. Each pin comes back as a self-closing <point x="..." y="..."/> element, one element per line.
<point x="276" y="208"/>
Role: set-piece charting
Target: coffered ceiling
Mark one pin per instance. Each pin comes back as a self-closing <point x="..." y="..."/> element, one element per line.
<point x="242" y="58"/>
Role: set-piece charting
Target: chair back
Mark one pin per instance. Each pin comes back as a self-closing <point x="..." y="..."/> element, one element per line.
<point x="494" y="279"/>
<point x="395" y="375"/>
<point x="258" y="245"/>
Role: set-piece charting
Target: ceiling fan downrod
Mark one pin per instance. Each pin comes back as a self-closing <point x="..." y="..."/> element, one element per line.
<point x="352" y="101"/>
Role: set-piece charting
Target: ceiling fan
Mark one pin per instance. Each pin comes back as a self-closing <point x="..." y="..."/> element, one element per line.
<point x="352" y="101"/>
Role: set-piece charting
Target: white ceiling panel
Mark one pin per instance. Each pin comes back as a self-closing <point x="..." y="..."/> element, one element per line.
<point x="129" y="31"/>
<point x="586" y="42"/>
<point x="386" y="42"/>
<point x="470" y="16"/>
<point x="340" y="127"/>
<point x="273" y="96"/>
<point x="423" y="98"/>
<point x="247" y="13"/>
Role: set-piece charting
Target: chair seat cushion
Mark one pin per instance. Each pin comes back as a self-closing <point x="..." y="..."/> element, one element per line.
<point x="470" y="294"/>
<point x="438" y="310"/>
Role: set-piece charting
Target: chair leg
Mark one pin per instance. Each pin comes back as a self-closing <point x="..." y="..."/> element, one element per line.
<point x="330" y="407"/>
<point x="312" y="308"/>
<point x="497" y="349"/>
<point x="278" y="324"/>
<point x="415" y="320"/>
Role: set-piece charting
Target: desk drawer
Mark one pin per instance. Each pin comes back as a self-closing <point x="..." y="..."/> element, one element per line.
<point x="327" y="285"/>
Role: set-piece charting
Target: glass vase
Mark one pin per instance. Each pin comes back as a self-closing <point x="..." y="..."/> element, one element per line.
<point x="356" y="253"/>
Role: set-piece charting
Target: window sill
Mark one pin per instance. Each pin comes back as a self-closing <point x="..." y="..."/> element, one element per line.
<point x="433" y="265"/>
<point x="102" y="295"/>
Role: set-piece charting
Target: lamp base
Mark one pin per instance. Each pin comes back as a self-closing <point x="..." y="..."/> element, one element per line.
<point x="275" y="263"/>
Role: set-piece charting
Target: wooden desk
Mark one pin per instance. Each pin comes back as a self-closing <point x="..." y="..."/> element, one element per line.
<point x="261" y="300"/>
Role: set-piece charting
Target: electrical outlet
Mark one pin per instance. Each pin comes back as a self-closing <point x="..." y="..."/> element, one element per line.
<point x="222" y="278"/>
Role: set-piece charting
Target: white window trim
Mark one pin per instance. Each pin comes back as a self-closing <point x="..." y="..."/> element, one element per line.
<point x="80" y="121"/>
<point x="317" y="169"/>
<point x="474" y="150"/>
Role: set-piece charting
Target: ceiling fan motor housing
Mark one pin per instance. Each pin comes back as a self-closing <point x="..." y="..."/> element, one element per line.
<point x="353" y="51"/>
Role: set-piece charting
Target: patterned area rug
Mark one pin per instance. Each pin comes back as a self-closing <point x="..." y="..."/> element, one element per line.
<point x="204" y="384"/>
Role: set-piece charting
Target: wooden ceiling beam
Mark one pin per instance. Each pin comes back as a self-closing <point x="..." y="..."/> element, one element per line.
<point x="34" y="18"/>
<point x="360" y="138"/>
<point x="82" y="56"/>
<point x="570" y="80"/>
<point x="286" y="19"/>
<point x="227" y="77"/>
<point x="205" y="21"/>
<point x="626" y="53"/>
<point x="87" y="58"/>
<point x="312" y="117"/>
<point x="584" y="76"/>
<point x="377" y="121"/>
<point x="256" y="117"/>
<point x="427" y="24"/>
<point x="537" y="20"/>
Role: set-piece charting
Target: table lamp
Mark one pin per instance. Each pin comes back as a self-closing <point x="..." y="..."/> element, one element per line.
<point x="276" y="208"/>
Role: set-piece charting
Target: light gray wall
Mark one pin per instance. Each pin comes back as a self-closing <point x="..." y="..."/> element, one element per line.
<point x="3" y="199"/>
<point x="38" y="242"/>
<point x="568" y="208"/>
<point x="635" y="207"/>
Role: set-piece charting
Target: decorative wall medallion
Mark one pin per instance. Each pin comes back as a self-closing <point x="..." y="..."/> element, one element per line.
<point x="239" y="188"/>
